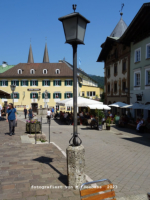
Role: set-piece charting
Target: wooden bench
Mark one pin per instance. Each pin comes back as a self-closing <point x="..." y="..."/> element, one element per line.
<point x="98" y="192"/>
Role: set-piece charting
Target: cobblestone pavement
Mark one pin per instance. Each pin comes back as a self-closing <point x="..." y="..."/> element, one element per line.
<point x="120" y="155"/>
<point x="23" y="166"/>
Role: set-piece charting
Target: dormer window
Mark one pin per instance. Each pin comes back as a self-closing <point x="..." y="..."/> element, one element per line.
<point x="44" y="71"/>
<point x="19" y="71"/>
<point x="32" y="71"/>
<point x="57" y="71"/>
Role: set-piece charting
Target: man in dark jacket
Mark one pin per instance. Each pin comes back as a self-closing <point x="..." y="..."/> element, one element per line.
<point x="25" y="112"/>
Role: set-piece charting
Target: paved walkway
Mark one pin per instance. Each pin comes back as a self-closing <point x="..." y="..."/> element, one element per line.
<point x="120" y="155"/>
<point x="25" y="166"/>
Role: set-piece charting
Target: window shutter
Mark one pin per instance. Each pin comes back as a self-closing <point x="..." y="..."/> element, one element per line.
<point x="11" y="96"/>
<point x="53" y="95"/>
<point x="60" y="95"/>
<point x="30" y="95"/>
<point x="54" y="83"/>
<point x="11" y="82"/>
<point x="17" y="95"/>
<point x="42" y="83"/>
<point x="42" y="95"/>
<point x="30" y="83"/>
<point x="49" y="95"/>
<point x="26" y="83"/>
<point x="36" y="83"/>
<point x="60" y="83"/>
<point x="37" y="95"/>
<point x="71" y="82"/>
<point x="65" y="83"/>
<point x="0" y="83"/>
<point x="6" y="83"/>
<point x="17" y="83"/>
<point x="71" y="95"/>
<point x="21" y="83"/>
<point x="48" y="83"/>
<point x="65" y="95"/>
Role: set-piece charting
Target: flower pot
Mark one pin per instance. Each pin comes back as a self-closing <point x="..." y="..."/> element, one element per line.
<point x="107" y="127"/>
<point x="32" y="126"/>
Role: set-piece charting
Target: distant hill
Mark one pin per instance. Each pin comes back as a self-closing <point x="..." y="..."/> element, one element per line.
<point x="98" y="79"/>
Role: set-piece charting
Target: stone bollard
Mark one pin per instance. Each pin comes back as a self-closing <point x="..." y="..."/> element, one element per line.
<point x="75" y="166"/>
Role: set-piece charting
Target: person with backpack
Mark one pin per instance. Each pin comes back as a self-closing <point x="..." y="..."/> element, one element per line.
<point x="11" y="117"/>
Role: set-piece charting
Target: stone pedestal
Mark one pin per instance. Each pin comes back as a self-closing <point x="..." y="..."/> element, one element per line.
<point x="75" y="166"/>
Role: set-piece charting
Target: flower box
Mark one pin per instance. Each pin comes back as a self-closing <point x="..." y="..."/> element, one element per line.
<point x="31" y="125"/>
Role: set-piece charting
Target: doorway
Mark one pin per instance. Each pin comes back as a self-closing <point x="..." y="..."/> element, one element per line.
<point x="34" y="107"/>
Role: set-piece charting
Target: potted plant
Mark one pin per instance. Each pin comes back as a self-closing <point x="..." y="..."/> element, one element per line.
<point x="108" y="121"/>
<point x="100" y="115"/>
<point x="30" y="126"/>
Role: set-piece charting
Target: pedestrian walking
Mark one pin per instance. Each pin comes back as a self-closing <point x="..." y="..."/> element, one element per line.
<point x="52" y="112"/>
<point x="0" y="111"/>
<point x="25" y="112"/>
<point x="11" y="117"/>
<point x="30" y="113"/>
<point x="48" y="115"/>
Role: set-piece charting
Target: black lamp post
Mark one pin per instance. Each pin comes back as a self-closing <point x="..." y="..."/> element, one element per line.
<point x="13" y="87"/>
<point x="74" y="26"/>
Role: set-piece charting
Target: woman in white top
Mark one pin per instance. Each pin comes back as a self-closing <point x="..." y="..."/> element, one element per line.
<point x="48" y="115"/>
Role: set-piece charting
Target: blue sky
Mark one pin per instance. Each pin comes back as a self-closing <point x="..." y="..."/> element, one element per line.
<point x="36" y="19"/>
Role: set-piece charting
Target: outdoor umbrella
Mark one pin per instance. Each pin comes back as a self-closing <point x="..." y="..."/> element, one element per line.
<point x="119" y="104"/>
<point x="147" y="107"/>
<point x="99" y="106"/>
<point x="137" y="106"/>
<point x="81" y="102"/>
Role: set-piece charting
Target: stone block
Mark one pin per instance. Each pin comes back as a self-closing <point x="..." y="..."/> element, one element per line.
<point x="76" y="166"/>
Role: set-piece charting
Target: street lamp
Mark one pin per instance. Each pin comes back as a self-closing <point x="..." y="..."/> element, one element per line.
<point x="13" y="87"/>
<point x="74" y="26"/>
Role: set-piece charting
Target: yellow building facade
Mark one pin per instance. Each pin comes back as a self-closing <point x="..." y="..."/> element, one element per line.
<point x="33" y="79"/>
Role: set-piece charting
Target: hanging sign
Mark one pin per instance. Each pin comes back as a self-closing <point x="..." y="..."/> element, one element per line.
<point x="35" y="89"/>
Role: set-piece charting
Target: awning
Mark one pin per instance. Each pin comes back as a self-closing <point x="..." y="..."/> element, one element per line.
<point x="4" y="94"/>
<point x="99" y="106"/>
<point x="119" y="105"/>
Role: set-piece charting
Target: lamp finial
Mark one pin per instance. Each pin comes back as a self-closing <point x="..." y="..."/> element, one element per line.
<point x="121" y="13"/>
<point x="74" y="7"/>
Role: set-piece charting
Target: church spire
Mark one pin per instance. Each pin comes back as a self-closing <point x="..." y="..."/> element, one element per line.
<point x="30" y="56"/>
<point x="46" y="57"/>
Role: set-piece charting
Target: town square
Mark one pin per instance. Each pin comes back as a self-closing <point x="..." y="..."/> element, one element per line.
<point x="75" y="100"/>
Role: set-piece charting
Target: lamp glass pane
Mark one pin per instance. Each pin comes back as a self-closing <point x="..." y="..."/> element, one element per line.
<point x="70" y="26"/>
<point x="81" y="29"/>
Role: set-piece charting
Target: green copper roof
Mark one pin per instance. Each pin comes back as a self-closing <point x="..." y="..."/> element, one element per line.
<point x="3" y="69"/>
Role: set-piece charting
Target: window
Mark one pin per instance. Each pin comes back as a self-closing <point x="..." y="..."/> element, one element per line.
<point x="44" y="71"/>
<point x="137" y="55"/>
<point x="14" y="82"/>
<point x="88" y="94"/>
<point x="115" y="69"/>
<point x="57" y="71"/>
<point x="148" y="50"/>
<point x="33" y="95"/>
<point x="16" y="95"/>
<point x="93" y="93"/>
<point x="45" y="83"/>
<point x="57" y="108"/>
<point x="57" y="83"/>
<point x="123" y="86"/>
<point x="108" y="72"/>
<point x="24" y="83"/>
<point x="82" y="94"/>
<point x="34" y="83"/>
<point x="68" y="95"/>
<point x="137" y="79"/>
<point x="108" y="88"/>
<point x="68" y="82"/>
<point x="115" y="87"/>
<point x="4" y="83"/>
<point x="32" y="71"/>
<point x="57" y="95"/>
<point x="147" y="77"/>
<point x="19" y="71"/>
<point x="124" y="66"/>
